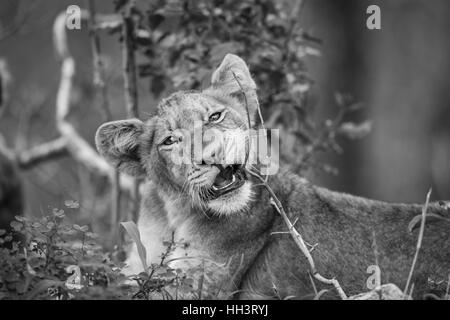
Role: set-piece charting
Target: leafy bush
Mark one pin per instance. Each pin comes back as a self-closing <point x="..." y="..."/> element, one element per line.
<point x="49" y="258"/>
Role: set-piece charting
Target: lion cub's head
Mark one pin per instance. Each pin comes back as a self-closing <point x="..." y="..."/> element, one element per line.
<point x="180" y="149"/>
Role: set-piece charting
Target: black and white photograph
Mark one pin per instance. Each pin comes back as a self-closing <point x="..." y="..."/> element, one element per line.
<point x="202" y="151"/>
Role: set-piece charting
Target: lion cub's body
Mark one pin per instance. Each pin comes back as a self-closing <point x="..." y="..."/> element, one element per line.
<point x="229" y="229"/>
<point x="351" y="234"/>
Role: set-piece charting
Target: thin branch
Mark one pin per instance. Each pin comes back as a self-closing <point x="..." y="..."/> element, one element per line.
<point x="419" y="241"/>
<point x="248" y="115"/>
<point x="298" y="238"/>
<point x="36" y="155"/>
<point x="100" y="83"/>
<point x="249" y="121"/>
<point x="99" y="70"/>
<point x="48" y="151"/>
<point x="70" y="142"/>
<point x="279" y="232"/>
<point x="294" y="233"/>
<point x="129" y="64"/>
<point x="130" y="85"/>
<point x="313" y="284"/>
<point x="115" y="208"/>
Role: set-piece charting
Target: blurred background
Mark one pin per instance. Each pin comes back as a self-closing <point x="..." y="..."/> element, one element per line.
<point x="399" y="73"/>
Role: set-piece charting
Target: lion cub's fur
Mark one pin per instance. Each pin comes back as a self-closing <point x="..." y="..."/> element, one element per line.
<point x="241" y="254"/>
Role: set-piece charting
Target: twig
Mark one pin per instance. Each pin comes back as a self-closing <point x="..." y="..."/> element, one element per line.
<point x="298" y="238"/>
<point x="115" y="209"/>
<point x="312" y="283"/>
<point x="44" y="152"/>
<point x="249" y="120"/>
<point x="279" y="232"/>
<point x="248" y="116"/>
<point x="279" y="207"/>
<point x="419" y="241"/>
<point x="70" y="142"/>
<point x="129" y="64"/>
<point x="130" y="85"/>
<point x="28" y="159"/>
<point x="99" y="70"/>
<point x="100" y="83"/>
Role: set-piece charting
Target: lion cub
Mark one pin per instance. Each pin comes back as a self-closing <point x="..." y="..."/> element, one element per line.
<point x="225" y="217"/>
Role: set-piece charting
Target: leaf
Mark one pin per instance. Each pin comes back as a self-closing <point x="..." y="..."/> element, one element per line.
<point x="108" y="21"/>
<point x="133" y="231"/>
<point x="17" y="226"/>
<point x="168" y="274"/>
<point x="81" y="228"/>
<point x="355" y="131"/>
<point x="20" y="218"/>
<point x="30" y="270"/>
<point x="58" y="213"/>
<point x="92" y="235"/>
<point x="50" y="225"/>
<point x="160" y="270"/>
<point x="71" y="204"/>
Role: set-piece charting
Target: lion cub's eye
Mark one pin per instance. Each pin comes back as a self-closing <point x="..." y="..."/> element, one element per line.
<point x="169" y="140"/>
<point x="215" y="117"/>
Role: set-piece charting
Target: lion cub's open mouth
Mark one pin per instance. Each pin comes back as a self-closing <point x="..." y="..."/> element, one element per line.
<point x="230" y="178"/>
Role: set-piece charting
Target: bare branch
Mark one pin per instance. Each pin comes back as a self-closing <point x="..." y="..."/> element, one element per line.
<point x="298" y="239"/>
<point x="248" y="115"/>
<point x="99" y="70"/>
<point x="130" y="85"/>
<point x="48" y="151"/>
<point x="129" y="64"/>
<point x="78" y="148"/>
<point x="36" y="155"/>
<point x="100" y="83"/>
<point x="419" y="242"/>
<point x="70" y="142"/>
<point x="5" y="151"/>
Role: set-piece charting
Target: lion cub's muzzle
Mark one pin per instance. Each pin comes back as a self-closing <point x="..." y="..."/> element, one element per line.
<point x="230" y="177"/>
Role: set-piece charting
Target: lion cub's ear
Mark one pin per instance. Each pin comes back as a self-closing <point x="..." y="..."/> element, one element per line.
<point x="223" y="75"/>
<point x="118" y="143"/>
<point x="224" y="79"/>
